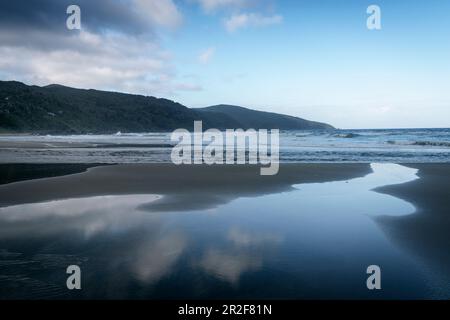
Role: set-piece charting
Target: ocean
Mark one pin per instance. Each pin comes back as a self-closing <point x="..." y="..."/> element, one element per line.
<point x="380" y="145"/>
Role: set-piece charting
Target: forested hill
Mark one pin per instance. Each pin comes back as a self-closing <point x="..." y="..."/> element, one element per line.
<point x="57" y="109"/>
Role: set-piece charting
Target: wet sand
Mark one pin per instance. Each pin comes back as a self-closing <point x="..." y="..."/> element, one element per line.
<point x="422" y="233"/>
<point x="184" y="187"/>
<point x="72" y="145"/>
<point x="40" y="145"/>
<point x="24" y="171"/>
<point x="426" y="233"/>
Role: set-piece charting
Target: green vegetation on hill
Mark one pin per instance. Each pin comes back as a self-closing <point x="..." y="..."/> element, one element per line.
<point x="57" y="109"/>
<point x="247" y="118"/>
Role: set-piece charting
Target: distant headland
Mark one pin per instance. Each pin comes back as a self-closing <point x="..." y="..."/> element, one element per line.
<point x="57" y="109"/>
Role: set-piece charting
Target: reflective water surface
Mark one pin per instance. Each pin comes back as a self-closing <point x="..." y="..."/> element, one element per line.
<point x="315" y="241"/>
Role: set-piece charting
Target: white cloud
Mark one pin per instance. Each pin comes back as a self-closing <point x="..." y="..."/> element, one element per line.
<point x="108" y="62"/>
<point x="239" y="18"/>
<point x="229" y="266"/>
<point x="188" y="87"/>
<point x="154" y="256"/>
<point x="240" y="258"/>
<point x="206" y="56"/>
<point x="160" y="12"/>
<point x="117" y="49"/>
<point x="244" y="239"/>
<point x="243" y="20"/>
<point x="214" y="5"/>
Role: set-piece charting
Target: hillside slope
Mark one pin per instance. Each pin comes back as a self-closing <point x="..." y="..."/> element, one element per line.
<point x="63" y="110"/>
<point x="247" y="118"/>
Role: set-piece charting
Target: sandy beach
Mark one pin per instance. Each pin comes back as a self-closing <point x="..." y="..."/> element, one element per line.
<point x="185" y="187"/>
<point x="426" y="232"/>
<point x="138" y="230"/>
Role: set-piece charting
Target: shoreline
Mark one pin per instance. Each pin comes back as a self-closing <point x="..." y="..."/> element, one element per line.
<point x="425" y="233"/>
<point x="208" y="185"/>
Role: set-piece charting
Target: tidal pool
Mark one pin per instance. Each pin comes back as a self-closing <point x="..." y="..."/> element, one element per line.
<point x="315" y="241"/>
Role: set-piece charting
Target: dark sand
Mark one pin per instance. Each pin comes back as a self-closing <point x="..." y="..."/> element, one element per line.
<point x="183" y="187"/>
<point x="426" y="233"/>
<point x="23" y="171"/>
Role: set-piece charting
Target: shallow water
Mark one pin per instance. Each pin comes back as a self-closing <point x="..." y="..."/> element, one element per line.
<point x="315" y="241"/>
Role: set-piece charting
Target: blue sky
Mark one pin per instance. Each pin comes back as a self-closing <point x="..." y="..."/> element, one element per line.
<point x="310" y="58"/>
<point x="321" y="62"/>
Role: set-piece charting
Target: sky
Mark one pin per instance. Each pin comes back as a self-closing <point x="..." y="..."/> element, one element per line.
<point x="315" y="59"/>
